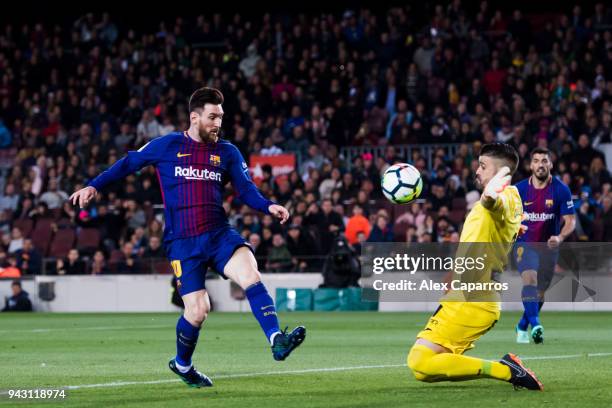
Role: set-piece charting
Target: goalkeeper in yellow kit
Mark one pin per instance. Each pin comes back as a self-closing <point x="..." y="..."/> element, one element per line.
<point x="437" y="354"/>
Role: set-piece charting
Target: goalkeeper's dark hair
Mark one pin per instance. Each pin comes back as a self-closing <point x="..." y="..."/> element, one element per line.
<point x="504" y="152"/>
<point x="204" y="95"/>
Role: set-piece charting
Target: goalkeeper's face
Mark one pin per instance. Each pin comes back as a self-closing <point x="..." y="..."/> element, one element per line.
<point x="208" y="122"/>
<point x="487" y="168"/>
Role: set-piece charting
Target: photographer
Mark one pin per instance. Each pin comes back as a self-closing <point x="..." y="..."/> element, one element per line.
<point x="342" y="268"/>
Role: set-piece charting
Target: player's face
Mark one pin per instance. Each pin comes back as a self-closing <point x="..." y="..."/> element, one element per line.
<point x="208" y="121"/>
<point x="487" y="168"/>
<point x="541" y="166"/>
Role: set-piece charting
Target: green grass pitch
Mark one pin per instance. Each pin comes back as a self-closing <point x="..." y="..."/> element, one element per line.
<point x="348" y="360"/>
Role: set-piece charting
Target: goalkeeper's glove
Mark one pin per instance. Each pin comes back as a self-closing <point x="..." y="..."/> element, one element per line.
<point x="498" y="183"/>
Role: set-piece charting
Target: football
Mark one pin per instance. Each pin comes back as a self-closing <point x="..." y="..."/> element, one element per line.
<point x="401" y="183"/>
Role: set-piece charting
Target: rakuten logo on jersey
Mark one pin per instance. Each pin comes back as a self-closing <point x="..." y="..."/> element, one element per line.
<point x="538" y="217"/>
<point x="191" y="173"/>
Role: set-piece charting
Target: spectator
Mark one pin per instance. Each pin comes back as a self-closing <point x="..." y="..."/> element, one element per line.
<point x="53" y="197"/>
<point x="154" y="249"/>
<point x="356" y="224"/>
<point x="72" y="265"/>
<point x="10" y="199"/>
<point x="16" y="243"/>
<point x="148" y="128"/>
<point x="381" y="231"/>
<point x="328" y="222"/>
<point x="129" y="263"/>
<point x="302" y="248"/>
<point x="98" y="264"/>
<point x="29" y="260"/>
<point x="279" y="257"/>
<point x="19" y="301"/>
<point x="259" y="250"/>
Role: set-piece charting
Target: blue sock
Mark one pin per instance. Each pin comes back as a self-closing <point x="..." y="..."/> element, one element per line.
<point x="524" y="322"/>
<point x="531" y="304"/>
<point x="186" y="340"/>
<point x="263" y="308"/>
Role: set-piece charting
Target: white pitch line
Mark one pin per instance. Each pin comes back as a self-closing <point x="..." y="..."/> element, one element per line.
<point x="166" y="326"/>
<point x="304" y="371"/>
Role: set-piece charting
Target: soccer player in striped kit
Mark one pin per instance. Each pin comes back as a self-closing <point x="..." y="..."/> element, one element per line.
<point x="192" y="168"/>
<point x="546" y="203"/>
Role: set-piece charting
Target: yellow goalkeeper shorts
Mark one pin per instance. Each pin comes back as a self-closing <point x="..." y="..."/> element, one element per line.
<point x="457" y="325"/>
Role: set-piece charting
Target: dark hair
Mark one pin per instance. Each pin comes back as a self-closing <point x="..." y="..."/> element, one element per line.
<point x="203" y="96"/>
<point x="503" y="152"/>
<point x="16" y="283"/>
<point x="540" y="150"/>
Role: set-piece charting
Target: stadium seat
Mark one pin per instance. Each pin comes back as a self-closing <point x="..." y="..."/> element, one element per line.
<point x="41" y="235"/>
<point x="88" y="240"/>
<point x="63" y="241"/>
<point x="63" y="223"/>
<point x="25" y="225"/>
<point x="116" y="256"/>
<point x="42" y="224"/>
<point x="598" y="230"/>
<point x="161" y="266"/>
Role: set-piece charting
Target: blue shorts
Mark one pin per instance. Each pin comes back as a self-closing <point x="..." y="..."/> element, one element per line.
<point x="537" y="257"/>
<point x="190" y="257"/>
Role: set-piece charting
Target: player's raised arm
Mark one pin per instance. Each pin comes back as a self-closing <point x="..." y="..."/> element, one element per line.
<point x="248" y="191"/>
<point x="495" y="186"/>
<point x="134" y="160"/>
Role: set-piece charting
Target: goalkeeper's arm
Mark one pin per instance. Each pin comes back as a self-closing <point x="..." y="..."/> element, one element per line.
<point x="494" y="187"/>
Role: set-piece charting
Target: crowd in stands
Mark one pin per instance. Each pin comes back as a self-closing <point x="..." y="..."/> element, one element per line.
<point x="74" y="99"/>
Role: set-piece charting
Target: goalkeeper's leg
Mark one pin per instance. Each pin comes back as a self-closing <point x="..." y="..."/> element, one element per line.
<point x="431" y="362"/>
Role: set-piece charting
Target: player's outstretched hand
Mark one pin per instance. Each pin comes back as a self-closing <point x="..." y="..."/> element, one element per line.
<point x="498" y="183"/>
<point x="83" y="196"/>
<point x="554" y="242"/>
<point x="279" y="212"/>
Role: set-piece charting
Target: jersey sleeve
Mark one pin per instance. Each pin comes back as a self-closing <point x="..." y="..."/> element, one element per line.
<point x="148" y="154"/>
<point x="242" y="182"/>
<point x="567" y="204"/>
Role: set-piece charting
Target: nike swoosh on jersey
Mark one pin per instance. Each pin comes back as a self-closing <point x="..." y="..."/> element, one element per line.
<point x="183" y="154"/>
<point x="528" y="203"/>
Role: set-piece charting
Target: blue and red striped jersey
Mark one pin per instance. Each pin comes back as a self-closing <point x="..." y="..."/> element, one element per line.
<point x="192" y="176"/>
<point x="544" y="208"/>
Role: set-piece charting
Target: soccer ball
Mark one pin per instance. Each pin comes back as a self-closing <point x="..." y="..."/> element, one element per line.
<point x="401" y="183"/>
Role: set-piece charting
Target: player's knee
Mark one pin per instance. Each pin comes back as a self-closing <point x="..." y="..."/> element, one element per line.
<point x="249" y="277"/>
<point x="529" y="278"/>
<point x="196" y="313"/>
<point x="417" y="363"/>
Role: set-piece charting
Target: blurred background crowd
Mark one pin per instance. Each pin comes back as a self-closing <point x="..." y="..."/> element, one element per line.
<point x="347" y="93"/>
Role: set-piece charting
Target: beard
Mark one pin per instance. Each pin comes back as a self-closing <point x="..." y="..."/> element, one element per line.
<point x="206" y="136"/>
<point x="541" y="176"/>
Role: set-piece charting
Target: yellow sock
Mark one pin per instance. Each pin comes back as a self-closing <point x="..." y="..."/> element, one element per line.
<point x="427" y="365"/>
